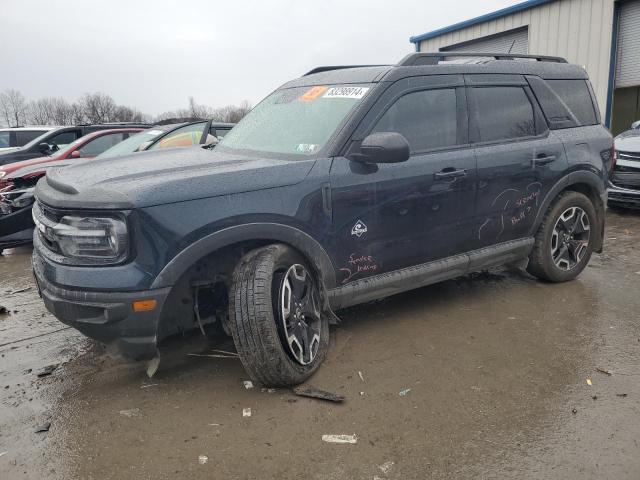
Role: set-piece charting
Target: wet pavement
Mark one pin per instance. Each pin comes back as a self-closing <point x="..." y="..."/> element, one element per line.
<point x="493" y="367"/>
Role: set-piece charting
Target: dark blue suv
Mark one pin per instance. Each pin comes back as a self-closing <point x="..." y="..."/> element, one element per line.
<point x="343" y="186"/>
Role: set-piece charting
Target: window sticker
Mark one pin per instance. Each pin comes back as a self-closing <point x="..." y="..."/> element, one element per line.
<point x="346" y="92"/>
<point x="313" y="93"/>
<point x="306" y="148"/>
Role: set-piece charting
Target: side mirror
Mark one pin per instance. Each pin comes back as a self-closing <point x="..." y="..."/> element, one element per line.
<point x="143" y="146"/>
<point x="383" y="147"/>
<point x="635" y="125"/>
<point x="44" y="148"/>
<point x="75" y="154"/>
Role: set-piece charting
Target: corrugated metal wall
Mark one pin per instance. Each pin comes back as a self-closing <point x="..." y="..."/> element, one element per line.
<point x="579" y="30"/>
<point x="512" y="41"/>
<point x="628" y="58"/>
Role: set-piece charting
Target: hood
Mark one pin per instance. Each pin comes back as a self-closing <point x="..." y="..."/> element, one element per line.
<point x="164" y="176"/>
<point x="628" y="141"/>
<point x="12" y="167"/>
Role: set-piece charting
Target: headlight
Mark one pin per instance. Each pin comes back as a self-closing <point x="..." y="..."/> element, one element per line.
<point x="94" y="238"/>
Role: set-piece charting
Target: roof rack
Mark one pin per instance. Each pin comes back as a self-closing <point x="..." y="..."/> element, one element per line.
<point x="415" y="59"/>
<point x="337" y="67"/>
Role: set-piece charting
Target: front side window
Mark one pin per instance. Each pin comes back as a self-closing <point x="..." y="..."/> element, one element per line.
<point x="503" y="113"/>
<point x="25" y="136"/>
<point x="427" y="119"/>
<point x="63" y="139"/>
<point x="100" y="144"/>
<point x="133" y="143"/>
<point x="297" y="121"/>
<point x="182" y="137"/>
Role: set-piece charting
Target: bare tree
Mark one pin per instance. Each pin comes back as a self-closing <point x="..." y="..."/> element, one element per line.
<point x="232" y="113"/>
<point x="98" y="107"/>
<point x="14" y="107"/>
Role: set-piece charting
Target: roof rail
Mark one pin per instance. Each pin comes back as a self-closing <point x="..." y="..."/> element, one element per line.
<point x="419" y="58"/>
<point x="337" y="67"/>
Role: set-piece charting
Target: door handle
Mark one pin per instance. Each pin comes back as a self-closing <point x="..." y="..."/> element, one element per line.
<point x="543" y="159"/>
<point x="450" y="173"/>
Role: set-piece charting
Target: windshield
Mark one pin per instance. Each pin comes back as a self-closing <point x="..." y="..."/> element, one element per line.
<point x="131" y="144"/>
<point x="296" y="121"/>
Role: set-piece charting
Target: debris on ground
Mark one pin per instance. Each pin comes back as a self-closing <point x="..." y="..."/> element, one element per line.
<point x="48" y="370"/>
<point x="224" y="352"/>
<point x="20" y="290"/>
<point x="360" y="375"/>
<point x="268" y="390"/>
<point x="621" y="395"/>
<point x="213" y="355"/>
<point x="134" y="412"/>
<point x="3" y="453"/>
<point x="43" y="428"/>
<point x="595" y="397"/>
<point x="248" y="384"/>
<point x="152" y="366"/>
<point x="3" y="310"/>
<point x="147" y="385"/>
<point x="339" y="438"/>
<point x="602" y="370"/>
<point x="319" y="394"/>
<point x="202" y="459"/>
<point x="403" y="393"/>
<point x="574" y="411"/>
<point x="246" y="412"/>
<point x="386" y="467"/>
<point x="589" y="381"/>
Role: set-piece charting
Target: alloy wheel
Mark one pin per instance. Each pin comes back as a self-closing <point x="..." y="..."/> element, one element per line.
<point x="299" y="313"/>
<point x="570" y="238"/>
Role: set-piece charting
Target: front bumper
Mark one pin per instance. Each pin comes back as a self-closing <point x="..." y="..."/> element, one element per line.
<point x="623" y="197"/>
<point x="107" y="317"/>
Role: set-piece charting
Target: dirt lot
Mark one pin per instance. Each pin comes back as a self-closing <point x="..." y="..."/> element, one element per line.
<point x="496" y="363"/>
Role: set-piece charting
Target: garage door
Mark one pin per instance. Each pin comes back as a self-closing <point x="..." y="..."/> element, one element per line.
<point x="628" y="60"/>
<point x="512" y="41"/>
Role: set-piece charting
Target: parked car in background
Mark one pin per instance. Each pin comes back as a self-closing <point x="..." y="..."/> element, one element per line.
<point x="342" y="186"/>
<point x="624" y="186"/>
<point x="171" y="135"/>
<point x="18" y="179"/>
<point x="14" y="137"/>
<point x="57" y="138"/>
<point x="88" y="146"/>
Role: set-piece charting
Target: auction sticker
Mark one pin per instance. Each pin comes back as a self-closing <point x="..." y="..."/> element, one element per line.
<point x="313" y="93"/>
<point x="346" y="92"/>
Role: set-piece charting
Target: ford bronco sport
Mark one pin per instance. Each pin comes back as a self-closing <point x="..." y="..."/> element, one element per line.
<point x="345" y="185"/>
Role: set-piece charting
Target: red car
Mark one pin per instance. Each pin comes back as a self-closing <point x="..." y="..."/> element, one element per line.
<point x="89" y="146"/>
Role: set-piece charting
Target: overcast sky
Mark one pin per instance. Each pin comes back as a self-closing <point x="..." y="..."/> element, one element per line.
<point x="153" y="55"/>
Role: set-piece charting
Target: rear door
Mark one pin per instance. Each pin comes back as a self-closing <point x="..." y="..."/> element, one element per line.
<point x="519" y="159"/>
<point x="391" y="216"/>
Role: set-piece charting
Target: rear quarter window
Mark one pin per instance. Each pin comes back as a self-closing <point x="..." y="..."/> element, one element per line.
<point x="576" y="96"/>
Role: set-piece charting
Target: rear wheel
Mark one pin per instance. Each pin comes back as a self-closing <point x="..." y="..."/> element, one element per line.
<point x="565" y="240"/>
<point x="275" y="314"/>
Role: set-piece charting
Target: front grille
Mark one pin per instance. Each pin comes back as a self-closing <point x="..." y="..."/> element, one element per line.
<point x="632" y="156"/>
<point x="626" y="180"/>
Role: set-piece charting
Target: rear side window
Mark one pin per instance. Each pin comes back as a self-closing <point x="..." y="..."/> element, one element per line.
<point x="427" y="119"/>
<point x="576" y="96"/>
<point x="4" y="140"/>
<point x="502" y="113"/>
<point x="25" y="136"/>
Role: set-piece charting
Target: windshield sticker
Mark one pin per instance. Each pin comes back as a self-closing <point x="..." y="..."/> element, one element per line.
<point x="313" y="93"/>
<point x="346" y="92"/>
<point x="306" y="148"/>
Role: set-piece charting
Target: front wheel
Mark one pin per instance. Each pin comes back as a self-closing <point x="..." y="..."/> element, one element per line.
<point x="275" y="315"/>
<point x="565" y="240"/>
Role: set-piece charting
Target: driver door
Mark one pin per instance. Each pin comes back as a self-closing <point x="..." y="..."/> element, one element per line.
<point x="391" y="216"/>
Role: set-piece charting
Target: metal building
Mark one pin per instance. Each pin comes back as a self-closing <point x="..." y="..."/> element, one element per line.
<point x="601" y="35"/>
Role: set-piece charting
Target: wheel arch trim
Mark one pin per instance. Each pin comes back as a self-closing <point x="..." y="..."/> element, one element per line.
<point x="275" y="232"/>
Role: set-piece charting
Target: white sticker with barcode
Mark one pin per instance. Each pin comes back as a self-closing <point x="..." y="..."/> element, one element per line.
<point x="346" y="92"/>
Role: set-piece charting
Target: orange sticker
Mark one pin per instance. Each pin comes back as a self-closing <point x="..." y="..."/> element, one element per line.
<point x="313" y="93"/>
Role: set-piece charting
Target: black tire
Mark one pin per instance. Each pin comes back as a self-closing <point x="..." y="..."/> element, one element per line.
<point x="255" y="321"/>
<point x="541" y="260"/>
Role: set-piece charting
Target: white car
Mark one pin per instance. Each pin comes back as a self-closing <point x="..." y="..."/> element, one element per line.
<point x="12" y="138"/>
